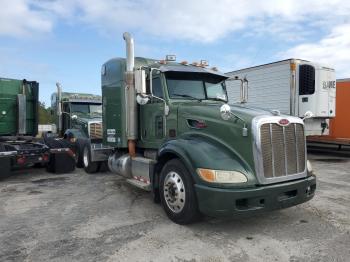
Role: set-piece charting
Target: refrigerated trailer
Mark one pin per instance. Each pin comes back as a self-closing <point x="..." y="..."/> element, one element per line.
<point x="294" y="86"/>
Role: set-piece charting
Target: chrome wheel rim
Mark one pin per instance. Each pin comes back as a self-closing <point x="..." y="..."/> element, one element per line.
<point x="86" y="157"/>
<point x="174" y="192"/>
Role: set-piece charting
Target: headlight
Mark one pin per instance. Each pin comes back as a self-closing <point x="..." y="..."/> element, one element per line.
<point x="221" y="176"/>
<point x="309" y="168"/>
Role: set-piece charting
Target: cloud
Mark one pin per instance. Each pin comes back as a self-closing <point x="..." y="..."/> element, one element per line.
<point x="19" y="19"/>
<point x="201" y="21"/>
<point x="195" y="20"/>
<point x="333" y="50"/>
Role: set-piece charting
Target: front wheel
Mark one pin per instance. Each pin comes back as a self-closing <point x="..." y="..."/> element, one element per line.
<point x="177" y="193"/>
<point x="89" y="166"/>
<point x="79" y="146"/>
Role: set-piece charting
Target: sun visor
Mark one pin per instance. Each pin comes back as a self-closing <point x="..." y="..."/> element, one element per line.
<point x="191" y="69"/>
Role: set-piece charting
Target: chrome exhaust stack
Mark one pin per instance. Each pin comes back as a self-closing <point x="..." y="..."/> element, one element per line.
<point x="131" y="106"/>
<point x="59" y="107"/>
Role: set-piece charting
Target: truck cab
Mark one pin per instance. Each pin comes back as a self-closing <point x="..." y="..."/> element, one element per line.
<point x="78" y="118"/>
<point x="172" y="131"/>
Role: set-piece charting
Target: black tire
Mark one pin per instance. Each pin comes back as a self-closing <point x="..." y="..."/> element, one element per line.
<point x="184" y="209"/>
<point x="79" y="147"/>
<point x="89" y="166"/>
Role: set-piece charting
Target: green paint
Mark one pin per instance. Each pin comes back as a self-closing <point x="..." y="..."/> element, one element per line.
<point x="9" y="89"/>
<point x="221" y="145"/>
<point x="71" y="105"/>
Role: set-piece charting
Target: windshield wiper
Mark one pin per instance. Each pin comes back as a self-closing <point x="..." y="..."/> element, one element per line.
<point x="188" y="96"/>
<point x="216" y="99"/>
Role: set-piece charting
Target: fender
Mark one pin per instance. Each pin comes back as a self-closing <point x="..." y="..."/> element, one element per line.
<point x="198" y="151"/>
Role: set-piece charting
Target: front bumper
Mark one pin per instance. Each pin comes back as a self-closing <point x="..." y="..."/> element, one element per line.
<point x="220" y="202"/>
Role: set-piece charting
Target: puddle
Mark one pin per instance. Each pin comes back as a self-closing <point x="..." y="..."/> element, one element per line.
<point x="50" y="181"/>
<point x="34" y="192"/>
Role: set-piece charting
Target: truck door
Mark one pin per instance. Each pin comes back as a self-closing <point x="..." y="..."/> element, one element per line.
<point x="152" y="116"/>
<point x="66" y="117"/>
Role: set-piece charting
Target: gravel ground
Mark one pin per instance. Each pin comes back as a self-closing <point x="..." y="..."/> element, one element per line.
<point x="81" y="217"/>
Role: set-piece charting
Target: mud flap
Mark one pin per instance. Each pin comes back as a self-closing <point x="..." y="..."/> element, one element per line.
<point x="62" y="160"/>
<point x="6" y="163"/>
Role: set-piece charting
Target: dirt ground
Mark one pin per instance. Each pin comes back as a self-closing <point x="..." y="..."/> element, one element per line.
<point x="81" y="217"/>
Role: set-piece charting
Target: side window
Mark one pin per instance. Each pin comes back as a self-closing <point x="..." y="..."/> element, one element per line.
<point x="157" y="87"/>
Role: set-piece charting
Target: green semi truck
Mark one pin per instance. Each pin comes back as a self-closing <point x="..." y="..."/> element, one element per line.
<point x="78" y="118"/>
<point x="19" y="147"/>
<point x="169" y="128"/>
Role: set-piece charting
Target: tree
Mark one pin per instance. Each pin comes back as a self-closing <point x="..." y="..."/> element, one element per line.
<point x="45" y="116"/>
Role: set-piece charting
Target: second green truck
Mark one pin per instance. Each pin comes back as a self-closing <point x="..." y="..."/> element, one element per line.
<point x="78" y="118"/>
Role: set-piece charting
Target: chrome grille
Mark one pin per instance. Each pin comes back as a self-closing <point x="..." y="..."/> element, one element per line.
<point x="95" y="130"/>
<point x="283" y="149"/>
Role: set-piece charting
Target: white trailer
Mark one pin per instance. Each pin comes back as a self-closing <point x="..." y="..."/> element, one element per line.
<point x="294" y="87"/>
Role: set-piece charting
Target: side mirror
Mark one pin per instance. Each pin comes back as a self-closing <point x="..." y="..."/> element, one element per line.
<point x="140" y="81"/>
<point x="142" y="99"/>
<point x="51" y="112"/>
<point x="74" y="117"/>
<point x="308" y="114"/>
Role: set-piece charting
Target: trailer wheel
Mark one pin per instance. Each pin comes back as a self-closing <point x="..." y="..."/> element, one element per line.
<point x="5" y="164"/>
<point x="177" y="193"/>
<point x="89" y="166"/>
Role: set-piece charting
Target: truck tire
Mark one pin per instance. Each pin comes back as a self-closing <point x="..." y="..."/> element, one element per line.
<point x="89" y="166"/>
<point x="177" y="193"/>
<point x="79" y="147"/>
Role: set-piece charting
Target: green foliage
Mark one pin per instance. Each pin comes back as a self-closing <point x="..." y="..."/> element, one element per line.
<point x="45" y="116"/>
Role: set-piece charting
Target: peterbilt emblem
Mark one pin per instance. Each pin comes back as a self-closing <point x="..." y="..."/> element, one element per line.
<point x="284" y="122"/>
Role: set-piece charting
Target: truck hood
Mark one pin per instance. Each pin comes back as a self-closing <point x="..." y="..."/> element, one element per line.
<point x="229" y="134"/>
<point x="85" y="118"/>
<point x="211" y="111"/>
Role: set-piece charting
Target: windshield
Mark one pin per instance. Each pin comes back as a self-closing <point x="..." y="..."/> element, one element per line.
<point x="86" y="108"/>
<point x="195" y="86"/>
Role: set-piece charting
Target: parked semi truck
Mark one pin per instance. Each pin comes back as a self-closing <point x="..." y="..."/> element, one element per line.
<point x="339" y="130"/>
<point x="295" y="87"/>
<point x="19" y="146"/>
<point x="78" y="118"/>
<point x="168" y="128"/>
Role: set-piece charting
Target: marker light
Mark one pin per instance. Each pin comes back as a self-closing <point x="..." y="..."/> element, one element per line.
<point x="204" y="63"/>
<point x="221" y="176"/>
<point x="170" y="58"/>
<point x="293" y="66"/>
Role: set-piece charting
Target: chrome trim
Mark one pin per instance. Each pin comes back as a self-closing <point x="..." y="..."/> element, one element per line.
<point x="22" y="114"/>
<point x="8" y="153"/>
<point x="92" y="122"/>
<point x="257" y="122"/>
<point x="273" y="152"/>
<point x="285" y="151"/>
<point x="296" y="145"/>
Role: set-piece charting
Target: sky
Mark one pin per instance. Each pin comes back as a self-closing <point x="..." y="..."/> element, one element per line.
<point x="67" y="41"/>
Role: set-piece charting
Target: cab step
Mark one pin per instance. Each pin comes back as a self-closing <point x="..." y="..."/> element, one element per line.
<point x="139" y="184"/>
